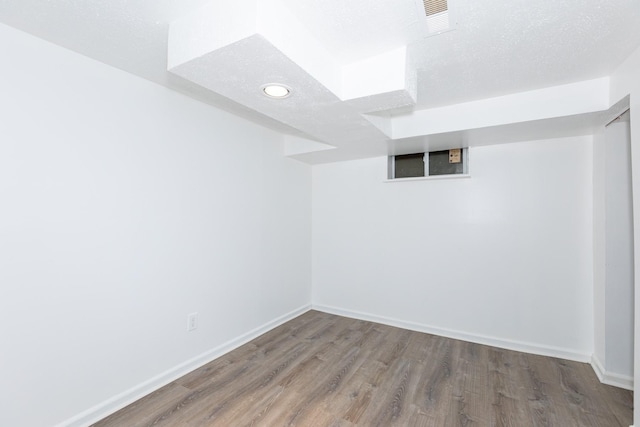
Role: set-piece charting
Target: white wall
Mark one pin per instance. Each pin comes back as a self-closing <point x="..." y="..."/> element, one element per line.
<point x="599" y="252"/>
<point x="619" y="252"/>
<point x="624" y="81"/>
<point x="124" y="207"/>
<point x="504" y="257"/>
<point x="613" y="256"/>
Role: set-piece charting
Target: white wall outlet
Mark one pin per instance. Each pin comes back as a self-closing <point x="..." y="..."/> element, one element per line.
<point x="192" y="322"/>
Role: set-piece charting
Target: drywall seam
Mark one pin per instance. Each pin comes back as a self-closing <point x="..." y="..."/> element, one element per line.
<point x="127" y="397"/>
<point x="524" y="347"/>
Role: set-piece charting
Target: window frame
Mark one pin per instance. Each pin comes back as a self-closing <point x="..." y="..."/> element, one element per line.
<point x="391" y="166"/>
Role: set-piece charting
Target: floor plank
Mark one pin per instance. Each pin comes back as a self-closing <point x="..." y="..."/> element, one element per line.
<point x="324" y="370"/>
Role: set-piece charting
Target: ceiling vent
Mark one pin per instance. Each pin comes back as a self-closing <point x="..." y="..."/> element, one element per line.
<point x="432" y="7"/>
<point x="438" y="16"/>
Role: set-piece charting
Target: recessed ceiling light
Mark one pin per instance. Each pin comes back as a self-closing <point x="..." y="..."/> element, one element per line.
<point x="276" y="90"/>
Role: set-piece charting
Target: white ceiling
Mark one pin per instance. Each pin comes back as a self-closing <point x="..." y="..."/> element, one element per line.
<point x="344" y="59"/>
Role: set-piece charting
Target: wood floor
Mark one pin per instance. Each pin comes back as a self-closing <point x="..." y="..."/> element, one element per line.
<point x="325" y="370"/>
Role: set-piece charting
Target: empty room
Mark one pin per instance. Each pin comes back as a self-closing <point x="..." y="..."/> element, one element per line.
<point x="319" y="213"/>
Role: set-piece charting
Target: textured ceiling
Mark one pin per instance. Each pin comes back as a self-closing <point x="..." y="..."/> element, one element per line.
<point x="502" y="47"/>
<point x="356" y="29"/>
<point x="336" y="56"/>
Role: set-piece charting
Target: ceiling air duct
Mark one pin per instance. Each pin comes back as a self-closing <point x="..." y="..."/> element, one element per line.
<point x="433" y="7"/>
<point x="438" y="19"/>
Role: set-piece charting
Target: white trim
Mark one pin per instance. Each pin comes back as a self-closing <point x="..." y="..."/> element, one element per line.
<point x="109" y="406"/>
<point x="532" y="348"/>
<point x="616" y="380"/>
<point x="597" y="367"/>
<point x="430" y="178"/>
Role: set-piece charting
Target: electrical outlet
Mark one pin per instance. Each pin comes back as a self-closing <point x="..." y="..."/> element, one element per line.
<point x="192" y="322"/>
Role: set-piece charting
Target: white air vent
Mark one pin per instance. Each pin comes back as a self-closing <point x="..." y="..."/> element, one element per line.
<point x="437" y="14"/>
<point x="438" y="23"/>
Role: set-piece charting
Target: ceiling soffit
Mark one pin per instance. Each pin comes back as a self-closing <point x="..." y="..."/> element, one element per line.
<point x="236" y="48"/>
<point x="344" y="108"/>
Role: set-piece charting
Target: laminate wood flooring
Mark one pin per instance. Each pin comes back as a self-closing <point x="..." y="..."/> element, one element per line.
<point x="325" y="370"/>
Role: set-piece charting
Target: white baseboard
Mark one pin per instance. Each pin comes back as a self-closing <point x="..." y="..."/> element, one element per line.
<point x="127" y="397"/>
<point x="597" y="367"/>
<point x="616" y="380"/>
<point x="542" y="350"/>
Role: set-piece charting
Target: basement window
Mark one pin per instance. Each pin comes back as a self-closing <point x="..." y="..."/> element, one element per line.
<point x="433" y="163"/>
